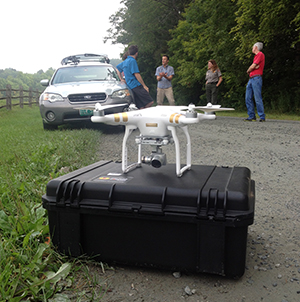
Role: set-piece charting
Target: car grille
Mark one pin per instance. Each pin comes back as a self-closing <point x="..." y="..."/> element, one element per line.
<point x="87" y="97"/>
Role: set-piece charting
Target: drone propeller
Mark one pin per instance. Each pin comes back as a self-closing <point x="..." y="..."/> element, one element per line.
<point x="208" y="108"/>
<point x="85" y="108"/>
<point x="212" y="109"/>
<point x="99" y="107"/>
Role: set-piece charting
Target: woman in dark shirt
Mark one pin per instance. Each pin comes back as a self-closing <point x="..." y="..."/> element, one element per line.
<point x="213" y="80"/>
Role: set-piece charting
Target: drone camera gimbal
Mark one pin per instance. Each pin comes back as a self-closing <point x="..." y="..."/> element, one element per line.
<point x="156" y="159"/>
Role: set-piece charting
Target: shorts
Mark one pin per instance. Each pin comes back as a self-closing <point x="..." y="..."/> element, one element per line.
<point x="141" y="97"/>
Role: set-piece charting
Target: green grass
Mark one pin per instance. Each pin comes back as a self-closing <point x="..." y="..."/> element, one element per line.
<point x="269" y="115"/>
<point x="30" y="269"/>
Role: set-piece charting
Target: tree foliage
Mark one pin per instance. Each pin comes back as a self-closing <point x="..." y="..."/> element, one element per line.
<point x="276" y="23"/>
<point x="146" y="23"/>
<point x="225" y="31"/>
<point x="193" y="32"/>
<point x="203" y="34"/>
<point x="26" y="80"/>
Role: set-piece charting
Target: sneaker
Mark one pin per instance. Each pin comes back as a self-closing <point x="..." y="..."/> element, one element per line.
<point x="261" y="120"/>
<point x="250" y="119"/>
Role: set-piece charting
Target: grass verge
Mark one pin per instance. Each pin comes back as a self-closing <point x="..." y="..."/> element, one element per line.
<point x="30" y="269"/>
<point x="269" y="115"/>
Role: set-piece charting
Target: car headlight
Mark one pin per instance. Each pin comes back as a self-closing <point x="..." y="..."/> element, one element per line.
<point x="52" y="97"/>
<point x="121" y="94"/>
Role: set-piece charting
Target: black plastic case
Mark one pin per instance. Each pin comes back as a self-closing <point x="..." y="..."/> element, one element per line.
<point x="151" y="218"/>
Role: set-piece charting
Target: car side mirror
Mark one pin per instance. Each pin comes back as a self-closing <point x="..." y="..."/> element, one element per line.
<point x="45" y="82"/>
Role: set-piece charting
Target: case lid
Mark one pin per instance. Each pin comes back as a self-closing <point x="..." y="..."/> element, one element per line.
<point x="204" y="192"/>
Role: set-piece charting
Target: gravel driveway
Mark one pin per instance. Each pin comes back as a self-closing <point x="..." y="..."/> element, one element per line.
<point x="271" y="150"/>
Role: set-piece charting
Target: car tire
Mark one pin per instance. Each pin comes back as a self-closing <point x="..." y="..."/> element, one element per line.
<point x="50" y="127"/>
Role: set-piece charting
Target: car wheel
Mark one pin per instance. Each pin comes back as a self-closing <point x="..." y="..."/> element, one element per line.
<point x="49" y="126"/>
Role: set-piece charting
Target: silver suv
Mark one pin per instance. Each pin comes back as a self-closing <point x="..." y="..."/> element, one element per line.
<point x="82" y="81"/>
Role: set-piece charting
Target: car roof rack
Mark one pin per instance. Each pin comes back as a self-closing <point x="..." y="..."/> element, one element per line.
<point x="87" y="57"/>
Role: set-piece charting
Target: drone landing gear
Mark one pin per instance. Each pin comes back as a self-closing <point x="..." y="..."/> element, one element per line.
<point x="179" y="170"/>
<point x="157" y="158"/>
<point x="125" y="167"/>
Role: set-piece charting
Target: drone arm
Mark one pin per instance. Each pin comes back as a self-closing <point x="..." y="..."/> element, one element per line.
<point x="111" y="119"/>
<point x="105" y="119"/>
<point x="183" y="120"/>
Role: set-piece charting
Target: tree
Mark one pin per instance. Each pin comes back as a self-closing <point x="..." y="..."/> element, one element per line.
<point x="192" y="32"/>
<point x="146" y="23"/>
<point x="205" y="33"/>
<point x="277" y="24"/>
<point x="17" y="78"/>
<point x="225" y="31"/>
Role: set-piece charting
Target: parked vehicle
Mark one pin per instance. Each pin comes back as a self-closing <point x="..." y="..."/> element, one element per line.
<point x="82" y="80"/>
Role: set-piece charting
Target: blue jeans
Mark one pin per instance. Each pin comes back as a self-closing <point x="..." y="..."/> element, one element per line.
<point x="254" y="88"/>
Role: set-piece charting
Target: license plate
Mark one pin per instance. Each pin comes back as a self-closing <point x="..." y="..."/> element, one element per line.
<point x="85" y="112"/>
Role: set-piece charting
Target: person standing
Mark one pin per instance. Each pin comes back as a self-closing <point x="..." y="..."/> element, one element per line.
<point x="134" y="79"/>
<point x="164" y="75"/>
<point x="254" y="86"/>
<point x="213" y="80"/>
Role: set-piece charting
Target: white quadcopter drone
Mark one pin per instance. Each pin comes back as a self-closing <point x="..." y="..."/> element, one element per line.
<point x="158" y="127"/>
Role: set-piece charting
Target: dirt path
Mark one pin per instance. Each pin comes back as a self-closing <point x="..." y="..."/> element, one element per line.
<point x="271" y="150"/>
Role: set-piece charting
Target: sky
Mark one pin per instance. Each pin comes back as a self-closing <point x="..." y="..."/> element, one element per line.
<point x="38" y="34"/>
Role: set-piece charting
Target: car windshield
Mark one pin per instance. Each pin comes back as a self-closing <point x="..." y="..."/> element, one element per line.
<point x="85" y="73"/>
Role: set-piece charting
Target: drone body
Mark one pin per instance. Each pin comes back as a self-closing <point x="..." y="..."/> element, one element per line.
<point x="158" y="127"/>
<point x="151" y="121"/>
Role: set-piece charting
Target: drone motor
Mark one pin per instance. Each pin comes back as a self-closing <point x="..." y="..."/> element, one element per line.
<point x="191" y="114"/>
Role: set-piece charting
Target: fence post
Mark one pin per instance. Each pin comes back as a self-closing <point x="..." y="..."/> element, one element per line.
<point x="37" y="97"/>
<point x="21" y="96"/>
<point x="8" y="97"/>
<point x="30" y="96"/>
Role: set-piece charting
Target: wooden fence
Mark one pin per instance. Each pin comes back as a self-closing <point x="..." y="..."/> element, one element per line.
<point x="24" y="97"/>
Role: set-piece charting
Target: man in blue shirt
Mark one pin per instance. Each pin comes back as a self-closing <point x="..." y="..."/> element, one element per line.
<point x="164" y="75"/>
<point x="134" y="79"/>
